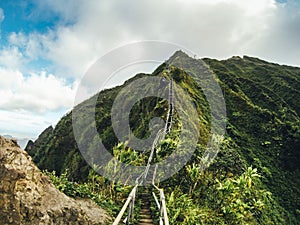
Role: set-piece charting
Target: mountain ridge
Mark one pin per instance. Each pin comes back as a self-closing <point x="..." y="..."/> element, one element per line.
<point x="262" y="101"/>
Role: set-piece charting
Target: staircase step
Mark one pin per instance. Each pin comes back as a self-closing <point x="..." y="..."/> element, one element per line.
<point x="145" y="209"/>
<point x="146" y="221"/>
<point x="145" y="216"/>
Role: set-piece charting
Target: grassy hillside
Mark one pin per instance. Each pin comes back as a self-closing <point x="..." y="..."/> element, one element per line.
<point x="255" y="177"/>
<point x="263" y="119"/>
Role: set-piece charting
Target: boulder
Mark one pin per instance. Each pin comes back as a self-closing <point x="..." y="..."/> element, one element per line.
<point x="27" y="196"/>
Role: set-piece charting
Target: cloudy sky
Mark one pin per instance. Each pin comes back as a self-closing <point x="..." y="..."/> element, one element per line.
<point x="46" y="46"/>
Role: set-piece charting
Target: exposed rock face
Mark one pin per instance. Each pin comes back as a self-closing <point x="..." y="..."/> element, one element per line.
<point x="28" y="197"/>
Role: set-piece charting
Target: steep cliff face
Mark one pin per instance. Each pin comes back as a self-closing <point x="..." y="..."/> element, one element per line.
<point x="28" y="197"/>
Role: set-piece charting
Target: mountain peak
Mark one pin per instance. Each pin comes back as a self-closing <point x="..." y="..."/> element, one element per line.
<point x="178" y="54"/>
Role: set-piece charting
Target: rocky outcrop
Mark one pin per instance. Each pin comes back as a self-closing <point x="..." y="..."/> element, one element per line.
<point x="27" y="196"/>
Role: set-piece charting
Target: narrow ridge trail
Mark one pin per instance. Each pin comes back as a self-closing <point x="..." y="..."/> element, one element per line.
<point x="148" y="177"/>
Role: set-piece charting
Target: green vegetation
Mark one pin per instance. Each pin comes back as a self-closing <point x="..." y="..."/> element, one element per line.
<point x="95" y="188"/>
<point x="263" y="121"/>
<point x="255" y="178"/>
<point x="234" y="200"/>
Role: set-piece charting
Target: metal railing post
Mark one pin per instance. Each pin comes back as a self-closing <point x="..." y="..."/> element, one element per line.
<point x="128" y="201"/>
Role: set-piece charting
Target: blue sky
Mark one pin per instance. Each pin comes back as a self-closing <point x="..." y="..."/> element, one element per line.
<point x="21" y="16"/>
<point x="27" y="17"/>
<point x="46" y="46"/>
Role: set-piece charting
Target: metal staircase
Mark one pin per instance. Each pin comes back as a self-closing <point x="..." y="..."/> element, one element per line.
<point x="145" y="216"/>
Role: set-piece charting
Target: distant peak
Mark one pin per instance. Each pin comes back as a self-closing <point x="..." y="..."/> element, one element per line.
<point x="236" y="57"/>
<point x="178" y="54"/>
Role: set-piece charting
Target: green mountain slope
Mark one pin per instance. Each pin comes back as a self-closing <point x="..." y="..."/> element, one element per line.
<point x="263" y="119"/>
<point x="263" y="131"/>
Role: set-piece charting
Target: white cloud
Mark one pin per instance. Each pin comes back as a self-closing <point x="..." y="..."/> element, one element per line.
<point x="35" y="93"/>
<point x="215" y="28"/>
<point x="74" y="53"/>
<point x="24" y="124"/>
<point x="11" y="57"/>
<point x="89" y="29"/>
<point x="281" y="42"/>
<point x="29" y="104"/>
<point x="18" y="39"/>
<point x="31" y="45"/>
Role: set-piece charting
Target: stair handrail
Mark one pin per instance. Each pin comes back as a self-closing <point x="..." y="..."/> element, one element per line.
<point x="162" y="206"/>
<point x="129" y="202"/>
<point x="153" y="149"/>
<point x="169" y="121"/>
<point x="164" y="220"/>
